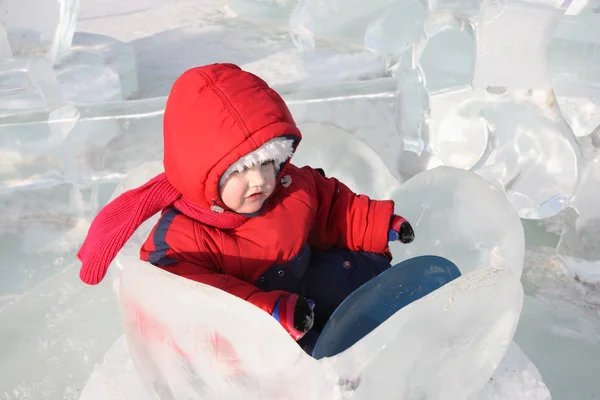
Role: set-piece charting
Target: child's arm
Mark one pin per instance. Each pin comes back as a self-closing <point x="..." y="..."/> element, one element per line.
<point x="345" y="219"/>
<point x="286" y="308"/>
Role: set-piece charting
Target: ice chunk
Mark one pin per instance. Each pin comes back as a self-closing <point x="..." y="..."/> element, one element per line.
<point x="504" y="58"/>
<point x="412" y="105"/>
<point x="443" y="346"/>
<point x="43" y="27"/>
<point x="26" y="150"/>
<point x="365" y="109"/>
<point x="579" y="245"/>
<point x="200" y="342"/>
<point x="26" y="84"/>
<point x="517" y="137"/>
<point x="5" y="50"/>
<point x="339" y="21"/>
<point x="89" y="84"/>
<point x="116" y="378"/>
<point x="95" y="53"/>
<point x="460" y="216"/>
<point x="345" y="157"/>
<point x="398" y="28"/>
<point x="273" y="11"/>
<point x="574" y="68"/>
<point x="553" y="329"/>
<point x="516" y="378"/>
<point x="458" y="7"/>
<point x="448" y="34"/>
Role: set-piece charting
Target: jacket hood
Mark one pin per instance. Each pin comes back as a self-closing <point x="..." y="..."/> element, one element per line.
<point x="215" y="115"/>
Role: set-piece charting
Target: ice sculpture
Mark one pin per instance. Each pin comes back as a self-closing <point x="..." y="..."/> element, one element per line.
<point x="573" y="55"/>
<point x="175" y="362"/>
<point x="460" y="216"/>
<point x="399" y="27"/>
<point x="339" y="21"/>
<point x="533" y="154"/>
<point x="101" y="59"/>
<point x="447" y="34"/>
<point x="515" y="378"/>
<point x="579" y="245"/>
<point x="28" y="84"/>
<point x="342" y="155"/>
<point x="5" y="50"/>
<point x="364" y="109"/>
<point x="39" y="26"/>
<point x="503" y="57"/>
<point x="273" y="11"/>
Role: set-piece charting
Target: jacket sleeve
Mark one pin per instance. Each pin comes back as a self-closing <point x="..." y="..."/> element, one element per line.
<point x="237" y="287"/>
<point x="349" y="220"/>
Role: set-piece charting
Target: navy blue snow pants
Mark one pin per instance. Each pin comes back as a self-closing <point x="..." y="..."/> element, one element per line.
<point x="326" y="277"/>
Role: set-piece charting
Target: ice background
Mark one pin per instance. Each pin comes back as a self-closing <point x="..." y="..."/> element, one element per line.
<point x="504" y="94"/>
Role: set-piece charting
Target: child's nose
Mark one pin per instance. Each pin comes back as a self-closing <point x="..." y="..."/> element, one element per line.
<point x="255" y="176"/>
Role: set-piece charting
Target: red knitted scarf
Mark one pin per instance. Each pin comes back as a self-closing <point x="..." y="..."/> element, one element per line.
<point x="117" y="221"/>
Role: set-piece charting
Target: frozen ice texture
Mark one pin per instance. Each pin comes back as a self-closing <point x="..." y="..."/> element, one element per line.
<point x="364" y="109"/>
<point x="273" y="11"/>
<point x="579" y="246"/>
<point x="89" y="84"/>
<point x="460" y="216"/>
<point x="448" y="34"/>
<point x="504" y="57"/>
<point x="515" y="378"/>
<point x="443" y="346"/>
<point x="398" y="28"/>
<point x="533" y="154"/>
<point x="342" y="155"/>
<point x="573" y="55"/>
<point x="339" y="21"/>
<point x="491" y="297"/>
<point x="28" y="84"/>
<point x="95" y="54"/>
<point x="5" y="50"/>
<point x="38" y="151"/>
<point x="553" y="328"/>
<point x="40" y="27"/>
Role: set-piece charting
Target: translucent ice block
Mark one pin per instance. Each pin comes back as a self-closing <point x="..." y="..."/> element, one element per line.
<point x="515" y="378"/>
<point x="5" y="50"/>
<point x="91" y="52"/>
<point x="443" y="346"/>
<point x="273" y="11"/>
<point x="516" y="137"/>
<point x="26" y="84"/>
<point x="42" y="27"/>
<point x="399" y="27"/>
<point x="504" y="57"/>
<point x="574" y="67"/>
<point x="343" y="155"/>
<point x="339" y="21"/>
<point x="83" y="84"/>
<point x="579" y="246"/>
<point x="365" y="109"/>
<point x="448" y="35"/>
<point x="460" y="216"/>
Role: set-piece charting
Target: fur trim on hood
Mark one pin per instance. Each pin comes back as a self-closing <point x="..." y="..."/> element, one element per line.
<point x="279" y="150"/>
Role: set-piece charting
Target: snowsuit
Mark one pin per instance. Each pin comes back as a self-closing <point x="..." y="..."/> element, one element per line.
<point x="313" y="237"/>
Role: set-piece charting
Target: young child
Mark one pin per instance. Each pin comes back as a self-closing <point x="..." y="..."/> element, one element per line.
<point x="237" y="215"/>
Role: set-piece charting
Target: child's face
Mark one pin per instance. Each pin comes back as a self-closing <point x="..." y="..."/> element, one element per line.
<point x="245" y="192"/>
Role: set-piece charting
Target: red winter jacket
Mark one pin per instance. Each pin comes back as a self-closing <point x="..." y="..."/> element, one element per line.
<point x="314" y="210"/>
<point x="233" y="114"/>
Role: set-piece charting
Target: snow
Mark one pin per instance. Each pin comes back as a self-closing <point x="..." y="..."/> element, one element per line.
<point x="471" y="87"/>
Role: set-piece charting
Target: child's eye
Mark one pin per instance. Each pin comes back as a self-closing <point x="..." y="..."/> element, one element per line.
<point x="268" y="162"/>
